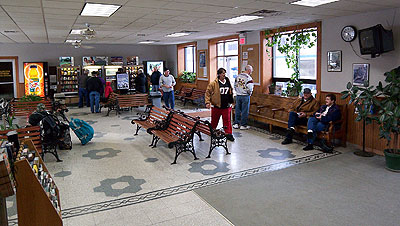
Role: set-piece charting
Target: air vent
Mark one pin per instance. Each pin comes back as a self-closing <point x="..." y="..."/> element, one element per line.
<point x="189" y="31"/>
<point x="10" y="31"/>
<point x="266" y="13"/>
<point x="141" y="35"/>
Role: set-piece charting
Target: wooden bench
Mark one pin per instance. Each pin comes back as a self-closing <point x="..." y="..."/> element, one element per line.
<point x="23" y="108"/>
<point x="183" y="92"/>
<point x="218" y="136"/>
<point x="197" y="95"/>
<point x="178" y="131"/>
<point x="130" y="101"/>
<point x="152" y="117"/>
<point x="274" y="111"/>
<point x="32" y="132"/>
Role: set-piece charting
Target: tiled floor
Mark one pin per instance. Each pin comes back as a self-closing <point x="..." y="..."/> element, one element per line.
<point x="117" y="179"/>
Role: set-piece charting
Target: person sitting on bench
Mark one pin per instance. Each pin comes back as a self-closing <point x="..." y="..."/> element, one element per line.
<point x="301" y="109"/>
<point x="329" y="112"/>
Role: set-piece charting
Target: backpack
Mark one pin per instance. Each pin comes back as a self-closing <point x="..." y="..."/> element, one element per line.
<point x="82" y="130"/>
<point x="50" y="127"/>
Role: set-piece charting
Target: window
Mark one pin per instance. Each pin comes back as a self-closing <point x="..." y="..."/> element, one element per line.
<point x="227" y="57"/>
<point x="190" y="59"/>
<point x="307" y="66"/>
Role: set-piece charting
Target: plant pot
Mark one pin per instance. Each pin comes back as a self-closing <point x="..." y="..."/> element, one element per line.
<point x="392" y="160"/>
<point x="271" y="90"/>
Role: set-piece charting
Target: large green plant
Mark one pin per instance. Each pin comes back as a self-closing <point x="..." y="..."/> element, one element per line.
<point x="290" y="47"/>
<point x="384" y="100"/>
<point x="8" y="123"/>
<point x="29" y="98"/>
<point x="188" y="77"/>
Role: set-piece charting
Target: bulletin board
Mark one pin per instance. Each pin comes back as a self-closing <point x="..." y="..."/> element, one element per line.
<point x="202" y="64"/>
<point x="250" y="55"/>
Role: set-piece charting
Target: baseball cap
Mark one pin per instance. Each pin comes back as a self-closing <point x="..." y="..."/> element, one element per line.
<point x="307" y="90"/>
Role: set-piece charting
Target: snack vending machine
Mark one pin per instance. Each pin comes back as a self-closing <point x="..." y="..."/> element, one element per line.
<point x="36" y="78"/>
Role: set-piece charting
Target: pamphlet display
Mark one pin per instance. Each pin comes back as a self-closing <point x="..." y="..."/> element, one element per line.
<point x="117" y="60"/>
<point x="123" y="81"/>
<point x="34" y="79"/>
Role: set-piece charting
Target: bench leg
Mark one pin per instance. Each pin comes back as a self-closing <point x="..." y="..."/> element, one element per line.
<point x="152" y="141"/>
<point x="270" y="128"/>
<point x="52" y="149"/>
<point x="184" y="147"/>
<point x="199" y="135"/>
<point x="109" y="110"/>
<point x="218" y="142"/>
<point x="184" y="102"/>
<point x="156" y="141"/>
<point x="137" y="129"/>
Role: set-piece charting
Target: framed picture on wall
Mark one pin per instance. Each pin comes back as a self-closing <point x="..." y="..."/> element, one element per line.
<point x="360" y="73"/>
<point x="335" y="61"/>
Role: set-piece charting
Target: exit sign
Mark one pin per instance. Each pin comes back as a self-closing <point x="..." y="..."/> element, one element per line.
<point x="242" y="41"/>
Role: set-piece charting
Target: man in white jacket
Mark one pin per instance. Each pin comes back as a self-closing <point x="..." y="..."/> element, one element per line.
<point x="244" y="88"/>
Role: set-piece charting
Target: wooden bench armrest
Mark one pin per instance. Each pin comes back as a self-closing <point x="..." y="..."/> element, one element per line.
<point x="277" y="109"/>
<point x="254" y="103"/>
<point x="259" y="107"/>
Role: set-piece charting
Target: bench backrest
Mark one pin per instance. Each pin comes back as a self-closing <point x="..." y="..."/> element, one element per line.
<point x="181" y="126"/>
<point x="32" y="132"/>
<point x="184" y="90"/>
<point x="134" y="100"/>
<point x="157" y="114"/>
<point x="22" y="108"/>
<point x="198" y="93"/>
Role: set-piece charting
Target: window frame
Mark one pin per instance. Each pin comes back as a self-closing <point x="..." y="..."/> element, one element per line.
<point x="194" y="58"/>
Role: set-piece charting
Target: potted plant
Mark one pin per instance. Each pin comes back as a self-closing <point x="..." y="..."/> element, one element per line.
<point x="290" y="46"/>
<point x="271" y="88"/>
<point x="386" y="100"/>
<point x="188" y="77"/>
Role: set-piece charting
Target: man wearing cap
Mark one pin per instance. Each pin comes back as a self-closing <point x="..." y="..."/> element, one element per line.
<point x="300" y="111"/>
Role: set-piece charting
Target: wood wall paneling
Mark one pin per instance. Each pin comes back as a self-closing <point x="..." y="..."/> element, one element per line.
<point x="19" y="86"/>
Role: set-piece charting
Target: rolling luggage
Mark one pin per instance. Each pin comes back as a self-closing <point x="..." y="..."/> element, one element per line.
<point x="82" y="130"/>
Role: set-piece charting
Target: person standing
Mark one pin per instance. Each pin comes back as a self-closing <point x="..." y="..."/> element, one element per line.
<point x="155" y="80"/>
<point x="219" y="97"/>
<point x="329" y="112"/>
<point x="167" y="83"/>
<point x="95" y="88"/>
<point x="301" y="109"/>
<point x="140" y="82"/>
<point x="244" y="88"/>
<point x="83" y="94"/>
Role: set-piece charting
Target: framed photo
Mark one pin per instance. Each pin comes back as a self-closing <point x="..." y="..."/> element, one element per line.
<point x="360" y="73"/>
<point x="335" y="61"/>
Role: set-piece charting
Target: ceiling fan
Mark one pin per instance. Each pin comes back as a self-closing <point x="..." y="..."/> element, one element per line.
<point x="78" y="44"/>
<point x="88" y="33"/>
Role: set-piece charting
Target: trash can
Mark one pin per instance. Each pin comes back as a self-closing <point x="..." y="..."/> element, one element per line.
<point x="155" y="98"/>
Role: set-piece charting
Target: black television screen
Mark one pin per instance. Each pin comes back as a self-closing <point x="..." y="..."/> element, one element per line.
<point x="375" y="40"/>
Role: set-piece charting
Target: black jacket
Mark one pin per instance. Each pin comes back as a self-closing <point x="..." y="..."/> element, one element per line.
<point x="94" y="84"/>
<point x="155" y="78"/>
<point x="140" y="83"/>
<point x="333" y="114"/>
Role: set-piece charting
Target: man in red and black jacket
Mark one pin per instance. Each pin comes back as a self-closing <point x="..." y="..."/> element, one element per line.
<point x="329" y="112"/>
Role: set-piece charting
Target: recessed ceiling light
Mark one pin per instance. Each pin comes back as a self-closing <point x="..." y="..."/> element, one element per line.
<point x="72" y="40"/>
<point x="177" y="34"/>
<point x="75" y="32"/>
<point x="103" y="10"/>
<point x="239" y="19"/>
<point x="313" y="3"/>
<point x="147" y="42"/>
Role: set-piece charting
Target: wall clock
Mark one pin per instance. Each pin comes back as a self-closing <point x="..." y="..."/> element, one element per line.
<point x="349" y="33"/>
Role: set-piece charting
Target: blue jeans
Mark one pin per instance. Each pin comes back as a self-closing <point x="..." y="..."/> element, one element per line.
<point x="94" y="101"/>
<point x="295" y="120"/>
<point x="155" y="88"/>
<point x="169" y="99"/>
<point x="242" y="109"/>
<point x="83" y="95"/>
<point x="316" y="126"/>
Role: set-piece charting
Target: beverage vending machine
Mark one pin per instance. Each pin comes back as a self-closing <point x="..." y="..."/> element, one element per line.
<point x="36" y="78"/>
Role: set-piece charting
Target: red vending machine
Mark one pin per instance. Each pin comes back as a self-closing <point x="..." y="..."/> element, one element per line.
<point x="36" y="78"/>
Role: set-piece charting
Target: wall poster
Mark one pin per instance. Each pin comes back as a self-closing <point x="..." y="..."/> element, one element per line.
<point x="202" y="65"/>
<point x="34" y="79"/>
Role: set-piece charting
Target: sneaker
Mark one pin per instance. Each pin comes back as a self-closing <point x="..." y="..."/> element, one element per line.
<point x="308" y="147"/>
<point x="236" y="126"/>
<point x="310" y="135"/>
<point x="230" y="137"/>
<point x="287" y="141"/>
<point x="244" y="127"/>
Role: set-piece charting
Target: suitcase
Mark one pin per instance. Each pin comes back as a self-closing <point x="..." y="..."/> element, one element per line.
<point x="82" y="130"/>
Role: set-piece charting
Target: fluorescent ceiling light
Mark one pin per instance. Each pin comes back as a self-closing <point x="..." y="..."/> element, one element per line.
<point x="103" y="10"/>
<point x="313" y="3"/>
<point x="146" y="42"/>
<point x="72" y="40"/>
<point x="75" y="32"/>
<point x="239" y="19"/>
<point x="177" y="34"/>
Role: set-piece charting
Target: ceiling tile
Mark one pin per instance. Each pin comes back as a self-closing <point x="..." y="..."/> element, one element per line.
<point x="63" y="4"/>
<point x="19" y="9"/>
<point x="147" y="4"/>
<point x="25" y="3"/>
<point x="72" y="12"/>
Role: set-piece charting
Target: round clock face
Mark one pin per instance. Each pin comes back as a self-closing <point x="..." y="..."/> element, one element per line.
<point x="349" y="33"/>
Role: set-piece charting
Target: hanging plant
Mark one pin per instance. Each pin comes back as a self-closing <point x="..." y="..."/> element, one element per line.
<point x="290" y="46"/>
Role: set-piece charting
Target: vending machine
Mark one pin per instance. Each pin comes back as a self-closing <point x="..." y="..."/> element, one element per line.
<point x="36" y="78"/>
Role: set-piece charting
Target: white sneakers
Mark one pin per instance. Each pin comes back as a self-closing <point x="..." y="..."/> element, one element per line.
<point x="244" y="127"/>
<point x="236" y="126"/>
